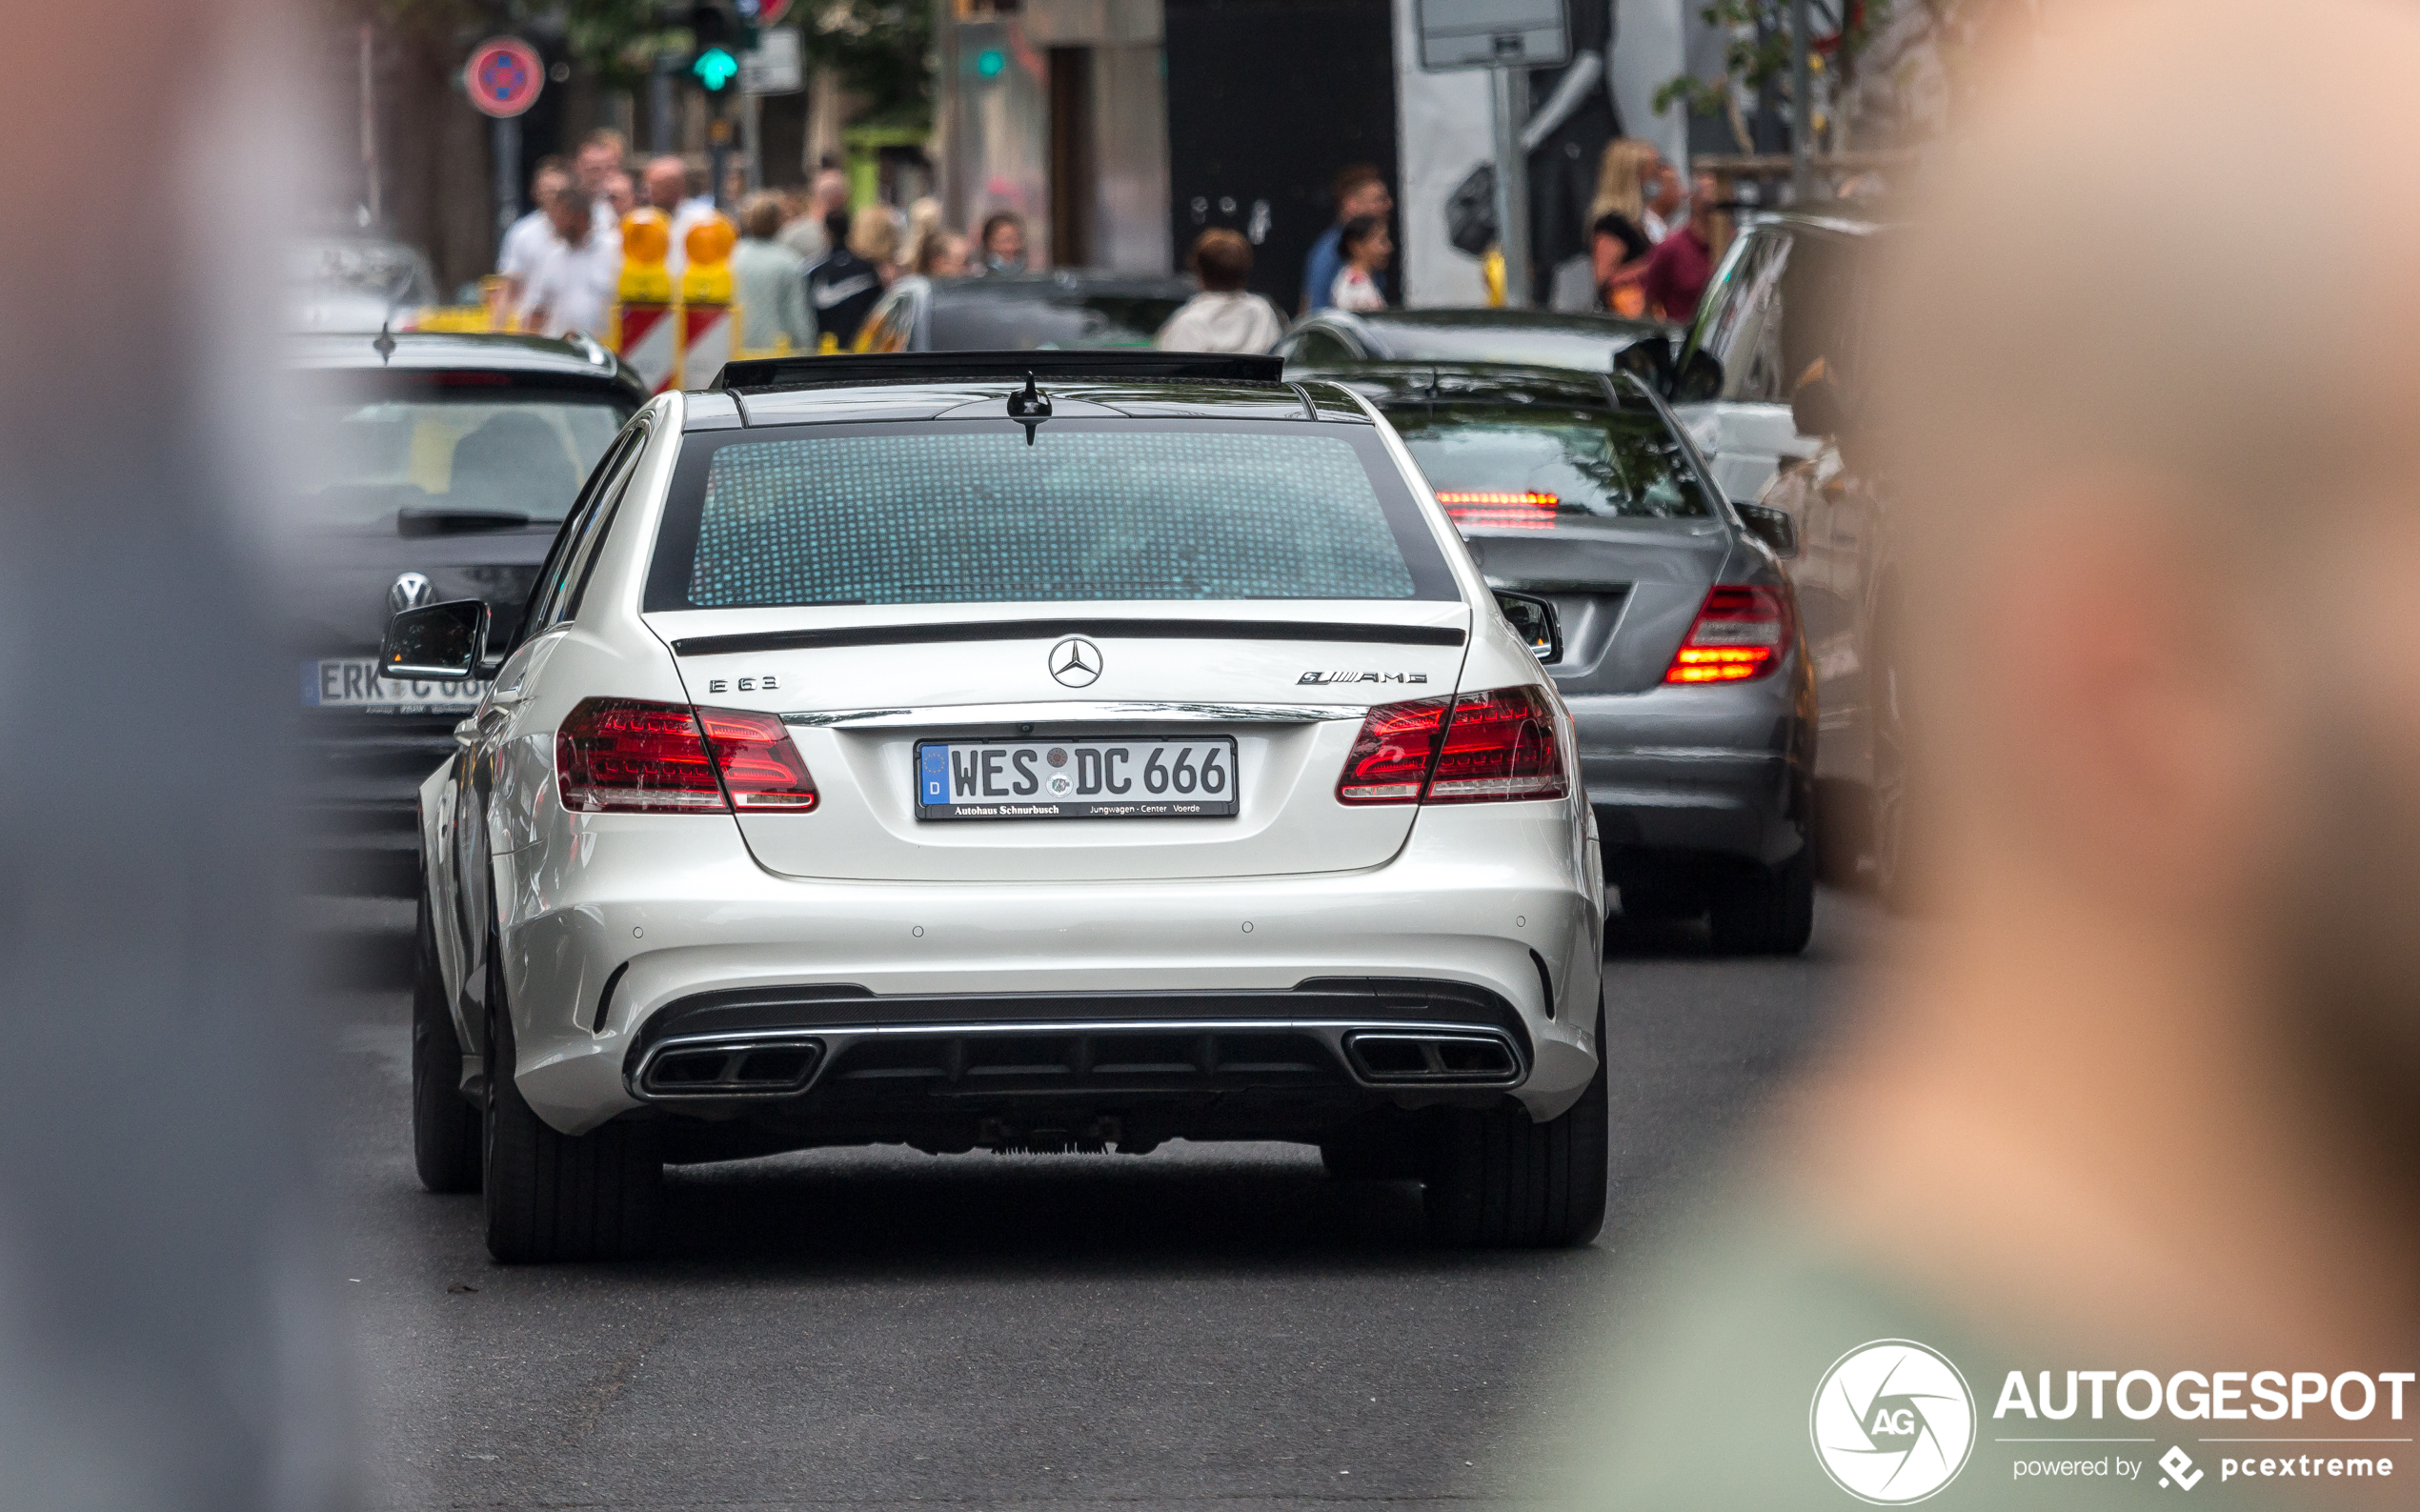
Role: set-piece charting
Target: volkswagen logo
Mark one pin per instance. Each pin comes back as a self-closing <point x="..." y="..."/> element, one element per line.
<point x="1075" y="663"/>
<point x="410" y="590"/>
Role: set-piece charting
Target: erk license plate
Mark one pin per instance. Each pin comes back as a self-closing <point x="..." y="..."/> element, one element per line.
<point x="1146" y="777"/>
<point x="353" y="682"/>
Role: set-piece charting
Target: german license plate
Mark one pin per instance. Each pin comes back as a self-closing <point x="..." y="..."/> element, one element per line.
<point x="1144" y="777"/>
<point x="353" y="682"/>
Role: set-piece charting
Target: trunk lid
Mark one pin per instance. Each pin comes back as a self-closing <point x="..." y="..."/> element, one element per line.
<point x="858" y="689"/>
<point x="1626" y="591"/>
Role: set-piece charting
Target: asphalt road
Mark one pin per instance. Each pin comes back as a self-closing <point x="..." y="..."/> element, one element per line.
<point x="1214" y="1324"/>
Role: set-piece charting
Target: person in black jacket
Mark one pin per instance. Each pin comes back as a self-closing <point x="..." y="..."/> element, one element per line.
<point x="842" y="289"/>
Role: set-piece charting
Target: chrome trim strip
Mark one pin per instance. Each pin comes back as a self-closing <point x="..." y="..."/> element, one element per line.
<point x="943" y="715"/>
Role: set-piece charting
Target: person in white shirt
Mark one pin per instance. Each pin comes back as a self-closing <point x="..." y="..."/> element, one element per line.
<point x="528" y="238"/>
<point x="571" y="289"/>
<point x="667" y="185"/>
<point x="1367" y="248"/>
<point x="1223" y="318"/>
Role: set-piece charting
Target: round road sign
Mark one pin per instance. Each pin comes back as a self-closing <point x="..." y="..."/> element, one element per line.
<point x="503" y="76"/>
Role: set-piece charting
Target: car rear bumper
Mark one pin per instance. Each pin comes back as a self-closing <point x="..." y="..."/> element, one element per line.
<point x="636" y="932"/>
<point x="1720" y="772"/>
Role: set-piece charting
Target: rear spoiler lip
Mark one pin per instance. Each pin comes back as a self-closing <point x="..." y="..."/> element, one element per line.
<point x="1101" y="629"/>
<point x="763" y="375"/>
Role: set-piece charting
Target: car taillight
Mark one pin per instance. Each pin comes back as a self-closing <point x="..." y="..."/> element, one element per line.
<point x="1499" y="747"/>
<point x="760" y="765"/>
<point x="627" y="756"/>
<point x="1740" y="633"/>
<point x="1479" y="748"/>
<point x="1501" y="508"/>
<point x="1390" y="761"/>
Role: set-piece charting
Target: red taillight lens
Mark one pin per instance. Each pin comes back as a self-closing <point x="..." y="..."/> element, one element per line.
<point x="1499" y="747"/>
<point x="1501" y="508"/>
<point x="760" y="765"/>
<point x="622" y="756"/>
<point x="1740" y="633"/>
<point x="626" y="756"/>
<point x="1390" y="761"/>
<point x="1480" y="748"/>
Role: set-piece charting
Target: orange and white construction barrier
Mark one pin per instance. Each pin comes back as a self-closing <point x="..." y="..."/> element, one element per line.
<point x="646" y="323"/>
<point x="708" y="321"/>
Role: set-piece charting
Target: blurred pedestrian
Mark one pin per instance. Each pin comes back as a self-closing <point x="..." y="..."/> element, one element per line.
<point x="1003" y="242"/>
<point x="601" y="155"/>
<point x="1360" y="193"/>
<point x="1617" y="232"/>
<point x="526" y="242"/>
<point x="843" y="289"/>
<point x="1665" y="201"/>
<point x="1367" y="247"/>
<point x="804" y="233"/>
<point x="769" y="281"/>
<point x="873" y="235"/>
<point x="572" y="286"/>
<point x="923" y="222"/>
<point x="2136" y="1094"/>
<point x="620" y="194"/>
<point x="944" y="255"/>
<point x="1682" y="265"/>
<point x="1223" y="318"/>
<point x="666" y="182"/>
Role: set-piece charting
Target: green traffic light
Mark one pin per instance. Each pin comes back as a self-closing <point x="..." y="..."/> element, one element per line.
<point x="989" y="62"/>
<point x="715" y="68"/>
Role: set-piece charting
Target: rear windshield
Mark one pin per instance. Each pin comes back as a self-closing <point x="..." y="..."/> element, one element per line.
<point x="953" y="512"/>
<point x="1583" y="350"/>
<point x="1015" y="320"/>
<point x="1532" y="464"/>
<point x="364" y="456"/>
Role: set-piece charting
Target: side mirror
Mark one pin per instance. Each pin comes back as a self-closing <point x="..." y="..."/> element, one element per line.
<point x="1651" y="361"/>
<point x="1773" y="527"/>
<point x="439" y="642"/>
<point x="1816" y="407"/>
<point x="1534" y="620"/>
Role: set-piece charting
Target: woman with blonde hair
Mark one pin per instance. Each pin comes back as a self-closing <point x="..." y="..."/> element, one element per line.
<point x="1619" y="246"/>
<point x="923" y="221"/>
<point x="874" y="237"/>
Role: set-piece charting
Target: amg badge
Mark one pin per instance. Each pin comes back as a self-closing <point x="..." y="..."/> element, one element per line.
<point x="1325" y="679"/>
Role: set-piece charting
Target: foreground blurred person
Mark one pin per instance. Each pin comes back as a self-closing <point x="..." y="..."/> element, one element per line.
<point x="2127" y="1138"/>
<point x="167" y="1335"/>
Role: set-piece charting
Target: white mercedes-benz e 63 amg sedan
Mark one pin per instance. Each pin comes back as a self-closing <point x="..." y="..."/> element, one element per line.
<point x="1046" y="751"/>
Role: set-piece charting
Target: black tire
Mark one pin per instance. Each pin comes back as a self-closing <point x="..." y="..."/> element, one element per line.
<point x="559" y="1197"/>
<point x="1496" y="1181"/>
<point x="1767" y="912"/>
<point x="445" y="1124"/>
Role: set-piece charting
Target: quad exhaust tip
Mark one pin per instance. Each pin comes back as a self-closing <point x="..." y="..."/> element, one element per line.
<point x="1424" y="1058"/>
<point x="741" y="1069"/>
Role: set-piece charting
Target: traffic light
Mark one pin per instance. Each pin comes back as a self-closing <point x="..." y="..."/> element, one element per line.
<point x="715" y="64"/>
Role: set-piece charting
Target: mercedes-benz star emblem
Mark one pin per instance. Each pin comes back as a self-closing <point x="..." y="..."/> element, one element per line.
<point x="410" y="590"/>
<point x="1075" y="663"/>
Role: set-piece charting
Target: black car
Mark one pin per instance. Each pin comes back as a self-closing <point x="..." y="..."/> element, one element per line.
<point x="1070" y="308"/>
<point x="1681" y="660"/>
<point x="430" y="467"/>
<point x="1542" y="338"/>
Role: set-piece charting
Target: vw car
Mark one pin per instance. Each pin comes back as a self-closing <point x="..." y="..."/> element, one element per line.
<point x="1025" y="751"/>
<point x="1063" y="309"/>
<point x="1545" y="338"/>
<point x="428" y="467"/>
<point x="1683" y="661"/>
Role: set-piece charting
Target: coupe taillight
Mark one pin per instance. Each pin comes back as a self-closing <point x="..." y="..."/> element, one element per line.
<point x="1740" y="633"/>
<point x="1478" y="748"/>
<point x="627" y="756"/>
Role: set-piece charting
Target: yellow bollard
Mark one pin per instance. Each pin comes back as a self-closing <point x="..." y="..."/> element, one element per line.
<point x="646" y="323"/>
<point x="707" y="317"/>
